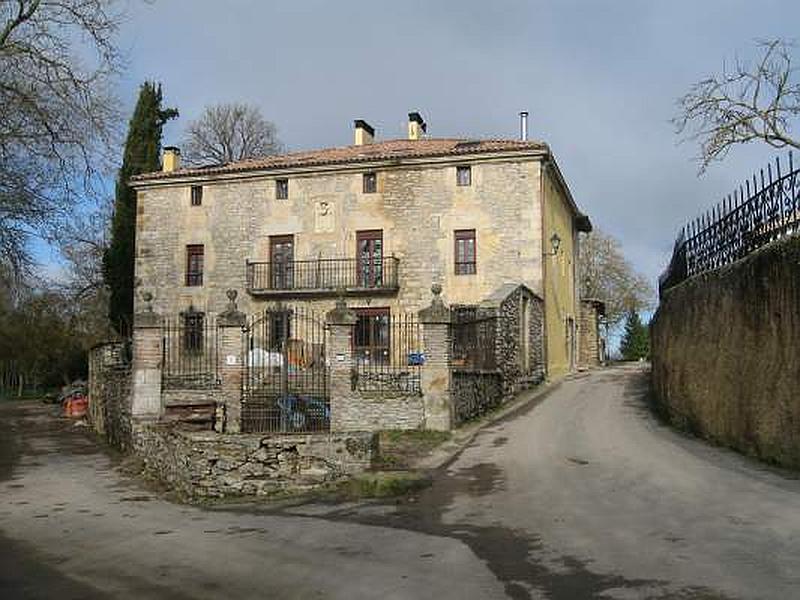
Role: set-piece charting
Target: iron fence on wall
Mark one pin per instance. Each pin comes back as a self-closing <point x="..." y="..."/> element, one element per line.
<point x="473" y="337"/>
<point x="387" y="352"/>
<point x="190" y="351"/>
<point x="764" y="209"/>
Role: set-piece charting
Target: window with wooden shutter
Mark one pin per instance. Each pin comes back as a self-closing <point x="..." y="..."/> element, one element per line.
<point x="194" y="265"/>
<point x="465" y="252"/>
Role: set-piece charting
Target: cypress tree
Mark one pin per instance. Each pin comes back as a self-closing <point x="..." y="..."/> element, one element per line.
<point x="142" y="155"/>
<point x="636" y="339"/>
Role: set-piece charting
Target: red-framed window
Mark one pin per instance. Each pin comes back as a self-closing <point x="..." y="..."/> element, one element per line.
<point x="194" y="264"/>
<point x="466" y="252"/>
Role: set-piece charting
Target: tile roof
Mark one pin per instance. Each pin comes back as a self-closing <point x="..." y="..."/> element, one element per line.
<point x="386" y="150"/>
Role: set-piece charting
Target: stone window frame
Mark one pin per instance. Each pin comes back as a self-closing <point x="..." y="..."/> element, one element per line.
<point x="463" y="264"/>
<point x="463" y="175"/>
<point x="282" y="188"/>
<point x="195" y="258"/>
<point x="196" y="194"/>
<point x="369" y="182"/>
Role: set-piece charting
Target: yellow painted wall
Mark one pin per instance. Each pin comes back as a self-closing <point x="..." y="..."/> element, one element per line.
<point x="559" y="279"/>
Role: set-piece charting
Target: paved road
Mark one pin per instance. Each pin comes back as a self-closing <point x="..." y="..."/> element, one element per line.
<point x="581" y="495"/>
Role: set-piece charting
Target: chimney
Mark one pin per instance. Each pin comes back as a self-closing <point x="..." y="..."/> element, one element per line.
<point x="416" y="126"/>
<point x="171" y="160"/>
<point x="523" y="125"/>
<point x="365" y="134"/>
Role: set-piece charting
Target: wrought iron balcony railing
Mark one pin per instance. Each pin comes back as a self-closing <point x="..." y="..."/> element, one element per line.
<point x="378" y="274"/>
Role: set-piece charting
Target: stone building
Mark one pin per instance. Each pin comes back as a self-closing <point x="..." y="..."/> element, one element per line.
<point x="377" y="221"/>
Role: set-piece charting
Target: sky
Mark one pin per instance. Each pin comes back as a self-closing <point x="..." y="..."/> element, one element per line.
<point x="600" y="79"/>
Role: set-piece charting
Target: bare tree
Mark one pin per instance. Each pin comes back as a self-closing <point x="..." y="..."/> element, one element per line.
<point x="229" y="132"/>
<point x="745" y="103"/>
<point x="57" y="115"/>
<point x="606" y="275"/>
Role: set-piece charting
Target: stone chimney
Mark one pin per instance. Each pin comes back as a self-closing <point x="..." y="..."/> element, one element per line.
<point x="171" y="160"/>
<point x="416" y="126"/>
<point x="365" y="134"/>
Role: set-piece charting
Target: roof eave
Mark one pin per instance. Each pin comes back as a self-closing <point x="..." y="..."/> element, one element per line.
<point x="182" y="178"/>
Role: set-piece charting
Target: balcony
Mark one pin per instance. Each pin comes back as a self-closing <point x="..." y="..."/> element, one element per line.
<point x="323" y="277"/>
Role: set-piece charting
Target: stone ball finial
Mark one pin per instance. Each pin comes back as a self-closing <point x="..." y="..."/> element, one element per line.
<point x="147" y="298"/>
<point x="436" y="289"/>
<point x="231" y="294"/>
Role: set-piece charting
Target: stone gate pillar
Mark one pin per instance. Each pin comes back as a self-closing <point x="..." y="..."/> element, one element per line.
<point x="230" y="325"/>
<point x="146" y="367"/>
<point x="435" y="374"/>
<point x="339" y="354"/>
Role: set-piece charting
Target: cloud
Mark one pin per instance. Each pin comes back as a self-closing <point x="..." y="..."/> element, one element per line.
<point x="599" y="78"/>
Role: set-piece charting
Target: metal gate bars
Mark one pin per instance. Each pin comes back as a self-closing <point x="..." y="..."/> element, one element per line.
<point x="285" y="384"/>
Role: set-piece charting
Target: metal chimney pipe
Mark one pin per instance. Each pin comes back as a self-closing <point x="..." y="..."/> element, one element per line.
<point x="523" y="125"/>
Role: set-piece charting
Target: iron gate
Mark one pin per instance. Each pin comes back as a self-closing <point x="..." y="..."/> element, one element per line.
<point x="285" y="380"/>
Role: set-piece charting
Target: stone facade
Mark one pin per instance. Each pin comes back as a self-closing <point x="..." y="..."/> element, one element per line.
<point x="110" y="393"/>
<point x="515" y="202"/>
<point x="726" y="362"/>
<point x="210" y="465"/>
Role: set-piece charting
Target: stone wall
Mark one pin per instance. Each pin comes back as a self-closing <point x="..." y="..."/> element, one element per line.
<point x="520" y="360"/>
<point x="475" y="393"/>
<point x="590" y="343"/>
<point x="519" y="354"/>
<point x="726" y="362"/>
<point x="110" y="393"/>
<point x="373" y="411"/>
<point x="210" y="465"/>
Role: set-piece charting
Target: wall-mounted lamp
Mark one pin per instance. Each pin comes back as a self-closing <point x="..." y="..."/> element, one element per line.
<point x="555" y="245"/>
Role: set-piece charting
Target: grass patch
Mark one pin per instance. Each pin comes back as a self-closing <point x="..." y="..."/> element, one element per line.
<point x="399" y="450"/>
<point x="386" y="484"/>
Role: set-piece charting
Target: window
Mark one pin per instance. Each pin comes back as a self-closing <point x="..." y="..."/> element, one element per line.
<point x="463" y="175"/>
<point x="371" y="339"/>
<point x="194" y="264"/>
<point x="281" y="189"/>
<point x="281" y="260"/>
<point x="197" y="195"/>
<point x="193" y="329"/>
<point x="369" y="256"/>
<point x="370" y="183"/>
<point x="465" y="252"/>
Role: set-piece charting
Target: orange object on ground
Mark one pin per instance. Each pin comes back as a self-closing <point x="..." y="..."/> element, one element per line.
<point x="76" y="406"/>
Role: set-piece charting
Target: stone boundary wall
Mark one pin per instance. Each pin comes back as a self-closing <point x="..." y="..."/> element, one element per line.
<point x="726" y="358"/>
<point x="177" y="395"/>
<point x="210" y="465"/>
<point x="591" y="351"/>
<point x="520" y="362"/>
<point x="475" y="393"/>
<point x="373" y="411"/>
<point x="110" y="394"/>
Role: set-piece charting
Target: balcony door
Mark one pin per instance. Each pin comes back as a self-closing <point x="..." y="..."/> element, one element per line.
<point x="369" y="252"/>
<point x="281" y="259"/>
